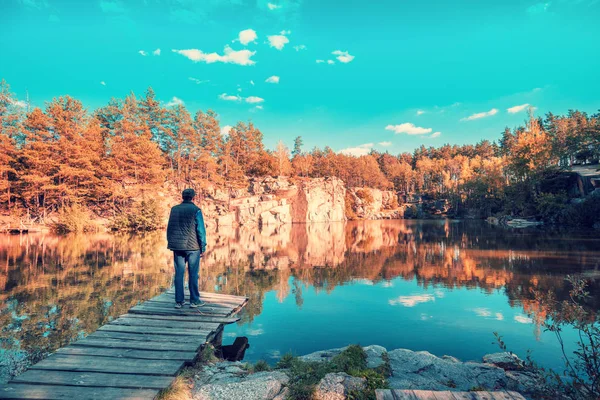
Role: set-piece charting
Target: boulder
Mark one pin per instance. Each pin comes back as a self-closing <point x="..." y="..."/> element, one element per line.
<point x="337" y="386"/>
<point x="374" y="355"/>
<point x="506" y="361"/>
<point x="423" y="370"/>
<point x="258" y="386"/>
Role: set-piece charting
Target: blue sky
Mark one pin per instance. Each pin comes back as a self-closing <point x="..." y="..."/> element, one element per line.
<point x="354" y="75"/>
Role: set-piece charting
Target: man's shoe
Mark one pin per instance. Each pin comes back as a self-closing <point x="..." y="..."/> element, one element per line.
<point x="198" y="303"/>
<point x="178" y="305"/>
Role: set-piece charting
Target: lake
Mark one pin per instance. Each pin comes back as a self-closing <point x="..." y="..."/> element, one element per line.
<point x="442" y="286"/>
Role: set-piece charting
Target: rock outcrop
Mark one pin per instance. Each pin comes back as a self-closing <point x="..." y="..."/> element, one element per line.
<point x="416" y="370"/>
<point x="371" y="203"/>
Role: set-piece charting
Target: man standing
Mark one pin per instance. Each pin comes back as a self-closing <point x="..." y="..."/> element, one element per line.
<point x="186" y="237"/>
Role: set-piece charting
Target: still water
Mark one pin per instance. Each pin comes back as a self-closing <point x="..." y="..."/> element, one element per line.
<point x="441" y="286"/>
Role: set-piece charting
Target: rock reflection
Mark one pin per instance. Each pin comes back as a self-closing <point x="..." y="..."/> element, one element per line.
<point x="58" y="288"/>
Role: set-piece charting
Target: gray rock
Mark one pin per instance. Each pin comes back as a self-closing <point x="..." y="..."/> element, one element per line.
<point x="374" y="355"/>
<point x="336" y="386"/>
<point x="259" y="386"/>
<point x="423" y="370"/>
<point x="506" y="361"/>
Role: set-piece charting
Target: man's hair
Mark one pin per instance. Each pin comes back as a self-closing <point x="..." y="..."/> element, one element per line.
<point x="188" y="194"/>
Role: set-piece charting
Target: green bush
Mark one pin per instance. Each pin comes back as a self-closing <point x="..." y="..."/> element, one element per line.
<point x="260" y="366"/>
<point x="585" y="214"/>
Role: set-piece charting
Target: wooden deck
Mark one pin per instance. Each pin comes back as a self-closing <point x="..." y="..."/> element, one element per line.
<point x="395" y="394"/>
<point x="132" y="357"/>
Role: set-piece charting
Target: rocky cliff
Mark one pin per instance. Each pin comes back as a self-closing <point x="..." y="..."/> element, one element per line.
<point x="276" y="201"/>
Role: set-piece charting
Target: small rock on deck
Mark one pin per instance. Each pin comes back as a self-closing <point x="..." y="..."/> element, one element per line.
<point x="395" y="394"/>
<point x="133" y="357"/>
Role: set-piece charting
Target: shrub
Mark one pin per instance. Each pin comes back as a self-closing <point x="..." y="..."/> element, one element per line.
<point x="260" y="366"/>
<point x="142" y="216"/>
<point x="285" y="361"/>
<point x="350" y="206"/>
<point x="73" y="218"/>
<point x="365" y="195"/>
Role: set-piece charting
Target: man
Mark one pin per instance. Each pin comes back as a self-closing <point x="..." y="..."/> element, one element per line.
<point x="186" y="237"/>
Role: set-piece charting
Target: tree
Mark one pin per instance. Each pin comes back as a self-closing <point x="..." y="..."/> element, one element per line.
<point x="297" y="146"/>
<point x="282" y="154"/>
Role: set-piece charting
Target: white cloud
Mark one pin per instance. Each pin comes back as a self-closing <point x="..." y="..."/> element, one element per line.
<point x="320" y="61"/>
<point x="420" y="112"/>
<point x="229" y="97"/>
<point x="142" y="52"/>
<point x="516" y="109"/>
<point x="278" y="41"/>
<point x="413" y="300"/>
<point x="360" y="150"/>
<point x="230" y="56"/>
<point x="385" y="144"/>
<point x="259" y="107"/>
<point x="103" y="83"/>
<point x="225" y="130"/>
<point x="239" y="89"/>
<point x="254" y="99"/>
<point x="499" y="316"/>
<point x="252" y="83"/>
<point x="273" y="79"/>
<point x="330" y="62"/>
<point x="522" y="319"/>
<point x="435" y="134"/>
<point x="246" y="36"/>
<point x="482" y="312"/>
<point x="343" y="56"/>
<point x="300" y="47"/>
<point x="408" y="128"/>
<point x="156" y="52"/>
<point x="175" y="101"/>
<point x="493" y="111"/>
<point x="273" y="6"/>
<point x="198" y="81"/>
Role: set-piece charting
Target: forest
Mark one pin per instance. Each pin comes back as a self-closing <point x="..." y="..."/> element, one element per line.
<point x="109" y="159"/>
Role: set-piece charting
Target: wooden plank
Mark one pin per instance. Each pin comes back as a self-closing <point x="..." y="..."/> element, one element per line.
<point x="482" y="395"/>
<point x="207" y="309"/>
<point x="145" y="337"/>
<point x="516" y="395"/>
<point x="424" y="394"/>
<point x="52" y="392"/>
<point x="160" y="323"/>
<point x="404" y="395"/>
<point x="443" y="395"/>
<point x="111" y="343"/>
<point x="152" y="330"/>
<point x="463" y="395"/>
<point x="384" y="394"/>
<point x="184" y="318"/>
<point x="98" y="379"/>
<point x="172" y="311"/>
<point x="501" y="396"/>
<point x="128" y="353"/>
<point x="211" y="295"/>
<point x="59" y="362"/>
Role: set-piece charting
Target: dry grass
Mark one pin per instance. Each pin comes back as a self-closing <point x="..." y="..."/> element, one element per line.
<point x="180" y="389"/>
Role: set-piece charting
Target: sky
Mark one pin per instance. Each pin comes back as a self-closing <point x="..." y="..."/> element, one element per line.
<point x="389" y="75"/>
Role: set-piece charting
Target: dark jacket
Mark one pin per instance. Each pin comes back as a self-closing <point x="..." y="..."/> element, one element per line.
<point x="186" y="230"/>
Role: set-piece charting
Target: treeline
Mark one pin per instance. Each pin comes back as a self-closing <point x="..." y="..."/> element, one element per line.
<point x="65" y="155"/>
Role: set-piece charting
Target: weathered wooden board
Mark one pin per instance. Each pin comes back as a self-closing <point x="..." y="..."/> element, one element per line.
<point x="113" y="343"/>
<point x="128" y="353"/>
<point x="143" y="309"/>
<point x="153" y="330"/>
<point x="396" y="394"/>
<point x="145" y="337"/>
<point x="98" y="379"/>
<point x="59" y="362"/>
<point x="184" y="318"/>
<point x="160" y="323"/>
<point x="51" y="392"/>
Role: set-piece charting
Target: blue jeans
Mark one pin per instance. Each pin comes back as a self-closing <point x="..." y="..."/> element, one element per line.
<point x="193" y="261"/>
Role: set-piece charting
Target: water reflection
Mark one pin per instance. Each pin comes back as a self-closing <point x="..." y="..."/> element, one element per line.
<point x="58" y="288"/>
